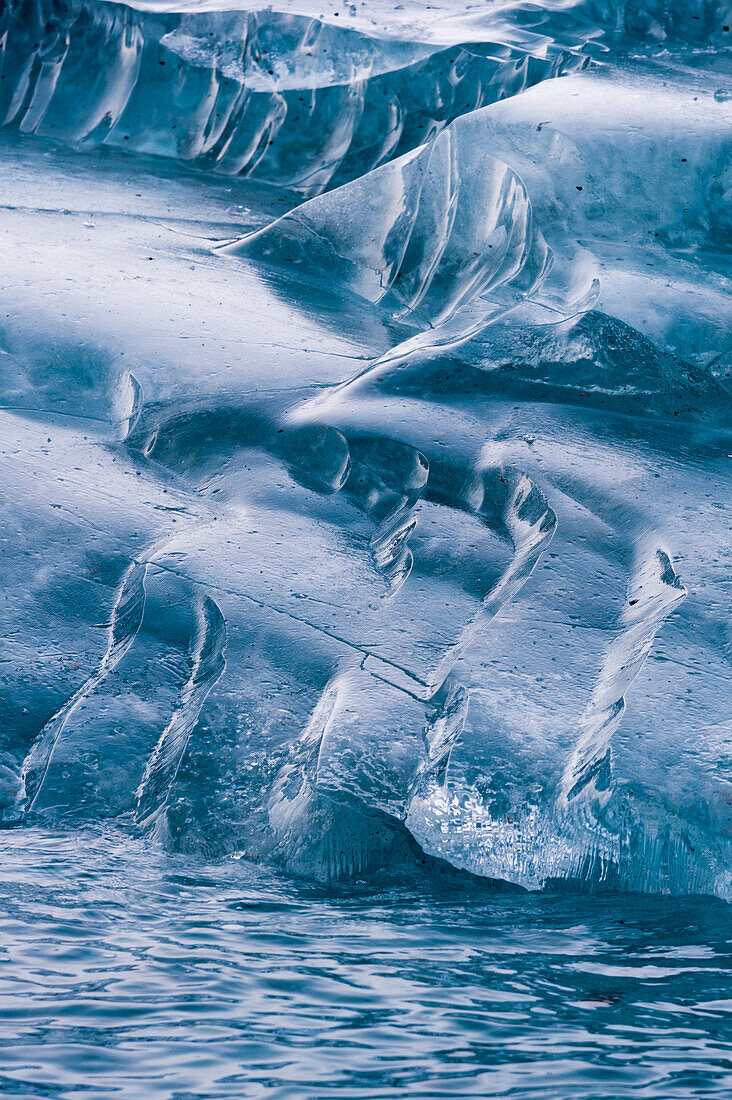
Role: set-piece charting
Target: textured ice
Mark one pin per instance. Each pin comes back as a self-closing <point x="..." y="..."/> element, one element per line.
<point x="365" y="414"/>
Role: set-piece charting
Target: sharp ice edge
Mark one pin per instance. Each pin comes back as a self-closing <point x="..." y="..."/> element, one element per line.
<point x="348" y="762"/>
<point x="654" y="593"/>
<point x="125" y="621"/>
<point x="466" y="257"/>
<point x="425" y="235"/>
<point x="283" y="98"/>
<point x="207" y="664"/>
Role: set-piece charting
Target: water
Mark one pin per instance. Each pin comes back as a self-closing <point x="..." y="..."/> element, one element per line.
<point x="365" y="549"/>
<point x="129" y="974"/>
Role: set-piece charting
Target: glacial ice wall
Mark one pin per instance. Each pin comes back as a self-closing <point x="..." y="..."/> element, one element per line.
<point x="279" y="97"/>
<point x="365" y="399"/>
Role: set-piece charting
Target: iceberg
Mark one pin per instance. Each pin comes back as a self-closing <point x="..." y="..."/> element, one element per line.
<point x="366" y="428"/>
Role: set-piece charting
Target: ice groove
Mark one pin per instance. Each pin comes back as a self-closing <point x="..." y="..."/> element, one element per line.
<point x="654" y="593"/>
<point x="207" y="666"/>
<point x="124" y="623"/>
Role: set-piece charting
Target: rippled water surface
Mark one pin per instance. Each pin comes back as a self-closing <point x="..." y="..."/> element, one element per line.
<point x="126" y="975"/>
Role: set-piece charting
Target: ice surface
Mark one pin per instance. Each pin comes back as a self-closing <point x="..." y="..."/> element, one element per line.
<point x="365" y="431"/>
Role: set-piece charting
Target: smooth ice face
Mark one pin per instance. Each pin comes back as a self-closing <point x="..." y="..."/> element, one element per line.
<point x="365" y="402"/>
